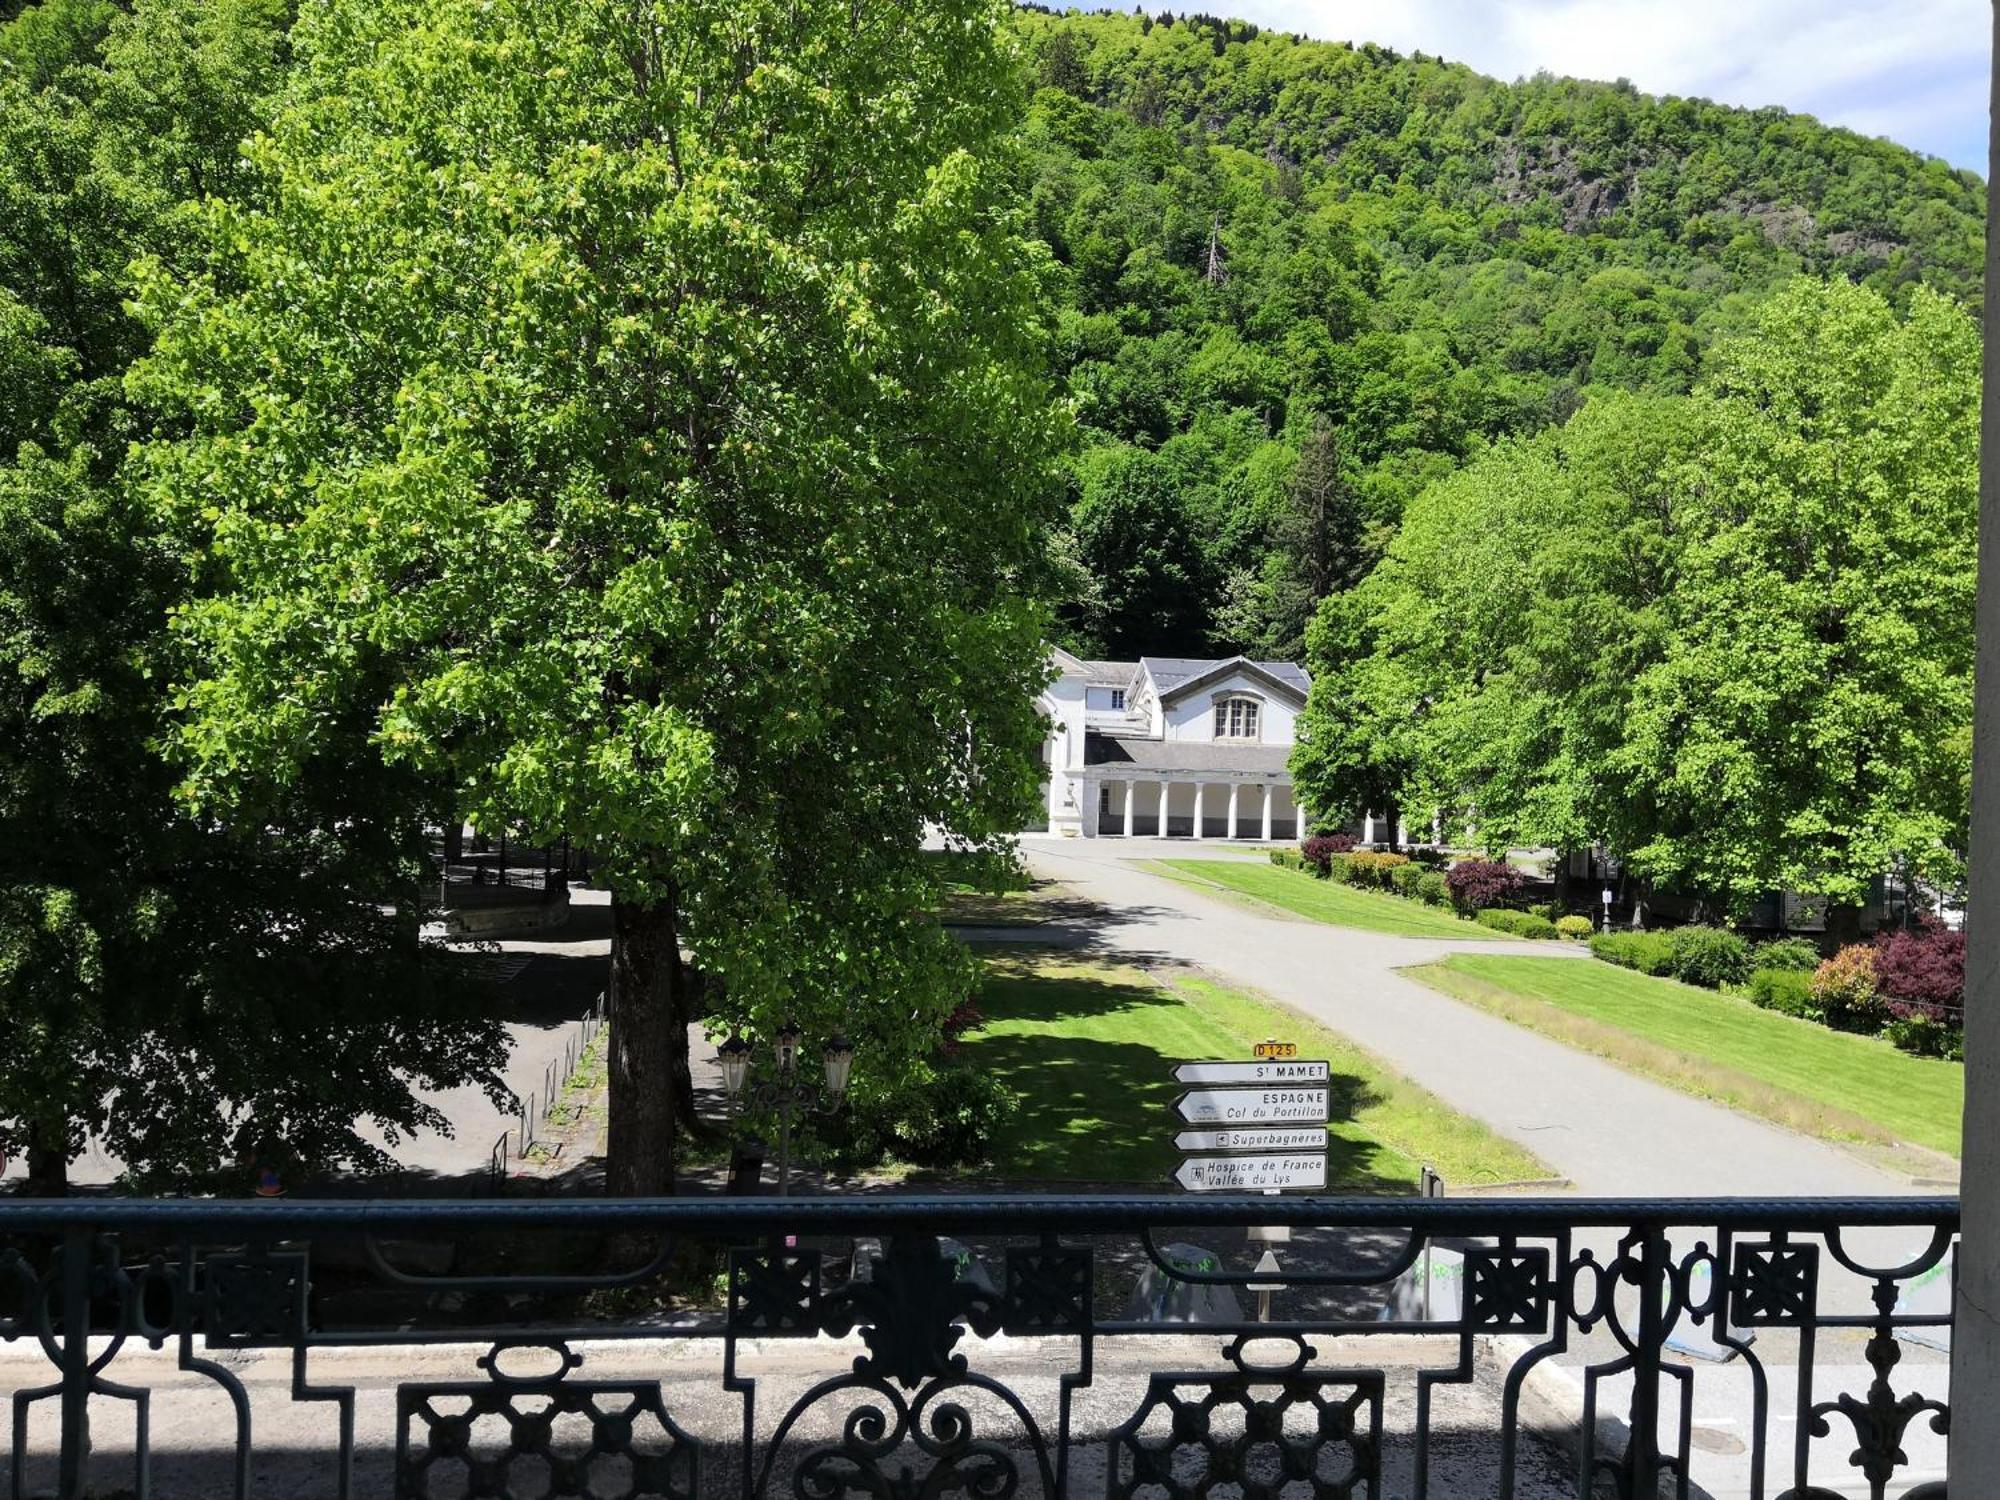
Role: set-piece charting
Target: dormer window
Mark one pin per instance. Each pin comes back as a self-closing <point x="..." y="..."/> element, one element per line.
<point x="1117" y="699"/>
<point x="1236" y="718"/>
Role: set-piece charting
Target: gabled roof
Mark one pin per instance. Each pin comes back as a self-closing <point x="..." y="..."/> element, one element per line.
<point x="1095" y="673"/>
<point x="1178" y="676"/>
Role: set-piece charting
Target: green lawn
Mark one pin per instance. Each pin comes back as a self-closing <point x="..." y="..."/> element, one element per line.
<point x="1322" y="900"/>
<point x="1800" y="1074"/>
<point x="971" y="898"/>
<point x="1090" y="1047"/>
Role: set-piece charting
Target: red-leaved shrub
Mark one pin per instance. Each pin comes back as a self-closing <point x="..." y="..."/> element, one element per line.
<point x="1480" y="883"/>
<point x="965" y="1016"/>
<point x="1319" y="850"/>
<point x="1921" y="972"/>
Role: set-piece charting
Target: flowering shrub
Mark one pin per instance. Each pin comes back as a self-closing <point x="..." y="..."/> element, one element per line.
<point x="1480" y="883"/>
<point x="1843" y="990"/>
<point x="1921" y="972"/>
<point x="1318" y="851"/>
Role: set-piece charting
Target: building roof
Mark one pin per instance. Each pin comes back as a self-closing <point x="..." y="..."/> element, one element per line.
<point x="1108" y="673"/>
<point x="1176" y="673"/>
<point x="1141" y="753"/>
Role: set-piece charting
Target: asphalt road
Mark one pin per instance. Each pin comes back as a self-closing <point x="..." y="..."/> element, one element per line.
<point x="1610" y="1132"/>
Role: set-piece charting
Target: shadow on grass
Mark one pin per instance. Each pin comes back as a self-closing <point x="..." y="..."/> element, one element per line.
<point x="1091" y="1059"/>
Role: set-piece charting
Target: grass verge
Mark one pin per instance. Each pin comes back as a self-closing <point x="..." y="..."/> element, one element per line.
<point x="1323" y="900"/>
<point x="1089" y="1046"/>
<point x="1795" y="1073"/>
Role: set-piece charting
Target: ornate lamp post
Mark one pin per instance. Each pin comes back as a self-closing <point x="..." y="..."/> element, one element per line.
<point x="785" y="1092"/>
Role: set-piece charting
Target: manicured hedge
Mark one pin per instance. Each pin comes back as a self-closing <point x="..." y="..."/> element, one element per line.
<point x="1709" y="956"/>
<point x="1521" y="923"/>
<point x="1788" y="991"/>
<point x="1786" y="953"/>
<point x="1432" y="889"/>
<point x="1576" y="929"/>
<point x="1376" y="871"/>
<point x="1648" y="952"/>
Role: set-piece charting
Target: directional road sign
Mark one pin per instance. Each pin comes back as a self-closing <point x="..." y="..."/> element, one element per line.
<point x="1267" y="1106"/>
<point x="1270" y="1071"/>
<point x="1252" y="1174"/>
<point x="1254" y="1138"/>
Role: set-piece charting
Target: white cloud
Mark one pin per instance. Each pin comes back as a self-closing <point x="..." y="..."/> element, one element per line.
<point x="1913" y="70"/>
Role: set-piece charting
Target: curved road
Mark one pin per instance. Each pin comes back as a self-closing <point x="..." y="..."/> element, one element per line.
<point x="1612" y="1133"/>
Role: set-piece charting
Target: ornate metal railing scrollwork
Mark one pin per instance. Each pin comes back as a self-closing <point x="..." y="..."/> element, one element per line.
<point x="988" y="1347"/>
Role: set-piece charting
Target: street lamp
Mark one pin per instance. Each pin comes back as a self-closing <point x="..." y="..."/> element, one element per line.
<point x="785" y="1092"/>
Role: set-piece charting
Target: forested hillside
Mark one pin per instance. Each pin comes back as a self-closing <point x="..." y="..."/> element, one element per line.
<point x="1278" y="247"/>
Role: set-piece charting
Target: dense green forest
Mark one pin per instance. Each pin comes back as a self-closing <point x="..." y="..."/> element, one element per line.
<point x="1388" y="263"/>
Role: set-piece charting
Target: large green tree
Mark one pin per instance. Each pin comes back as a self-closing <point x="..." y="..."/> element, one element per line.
<point x="635" y="414"/>
<point x="1806" y="726"/>
<point x="187" y="990"/>
<point x="1729" y="634"/>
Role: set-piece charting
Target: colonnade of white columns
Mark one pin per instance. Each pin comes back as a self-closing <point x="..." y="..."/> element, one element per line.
<point x="1249" y="814"/>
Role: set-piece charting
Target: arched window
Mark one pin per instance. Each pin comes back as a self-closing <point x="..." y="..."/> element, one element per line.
<point x="1236" y="718"/>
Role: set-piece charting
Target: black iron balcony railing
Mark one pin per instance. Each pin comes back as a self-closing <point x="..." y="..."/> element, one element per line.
<point x="989" y="1347"/>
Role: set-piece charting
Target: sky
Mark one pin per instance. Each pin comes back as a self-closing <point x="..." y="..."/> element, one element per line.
<point x="1912" y="70"/>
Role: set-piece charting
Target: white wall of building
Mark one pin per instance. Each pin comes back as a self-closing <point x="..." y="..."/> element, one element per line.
<point x="1193" y="717"/>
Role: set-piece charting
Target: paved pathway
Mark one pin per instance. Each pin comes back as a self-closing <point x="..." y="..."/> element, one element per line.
<point x="1610" y="1132"/>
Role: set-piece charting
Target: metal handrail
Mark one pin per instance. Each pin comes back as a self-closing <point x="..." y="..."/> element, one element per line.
<point x="1055" y="1212"/>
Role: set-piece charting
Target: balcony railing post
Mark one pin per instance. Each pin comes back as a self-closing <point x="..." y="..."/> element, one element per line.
<point x="1642" y="1442"/>
<point x="73" y="1468"/>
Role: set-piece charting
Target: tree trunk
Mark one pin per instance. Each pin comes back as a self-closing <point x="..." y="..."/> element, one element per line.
<point x="648" y="1013"/>
<point x="703" y="994"/>
<point x="1843" y="924"/>
<point x="48" y="1164"/>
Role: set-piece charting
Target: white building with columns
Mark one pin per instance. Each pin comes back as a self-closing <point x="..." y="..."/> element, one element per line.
<point x="1170" y="746"/>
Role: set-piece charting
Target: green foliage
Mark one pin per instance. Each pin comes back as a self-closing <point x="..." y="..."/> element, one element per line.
<point x="1368" y="868"/>
<point x="1406" y="878"/>
<point x="1433" y="889"/>
<point x="1648" y="952"/>
<point x="1795" y="953"/>
<point x="1265" y="238"/>
<point x="1758" y="596"/>
<point x="1926" y="1036"/>
<point x="190" y="991"/>
<point x="636" y="421"/>
<point x="1520" y="923"/>
<point x="932" y="1115"/>
<point x="1786" y="990"/>
<point x="1575" y="928"/>
<point x="1709" y="956"/>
